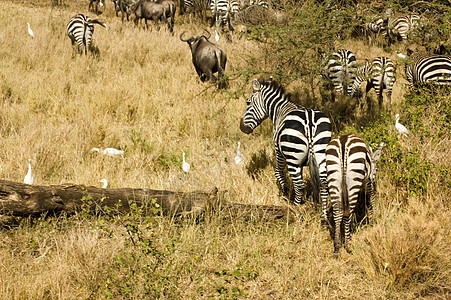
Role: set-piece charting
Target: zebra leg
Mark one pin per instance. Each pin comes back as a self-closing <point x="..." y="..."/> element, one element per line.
<point x="372" y="197"/>
<point x="280" y="166"/>
<point x="347" y="226"/>
<point x="337" y="210"/>
<point x="323" y="190"/>
<point x="298" y="184"/>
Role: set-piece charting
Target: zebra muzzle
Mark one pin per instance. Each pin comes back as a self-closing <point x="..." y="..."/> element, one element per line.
<point x="244" y="128"/>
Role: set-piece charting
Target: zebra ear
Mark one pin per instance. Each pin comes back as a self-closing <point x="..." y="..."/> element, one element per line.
<point x="256" y="85"/>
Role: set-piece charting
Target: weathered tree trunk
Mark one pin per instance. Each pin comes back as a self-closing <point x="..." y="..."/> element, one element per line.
<point x="27" y="200"/>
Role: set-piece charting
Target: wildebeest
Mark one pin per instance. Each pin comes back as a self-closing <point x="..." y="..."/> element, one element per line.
<point x="94" y="5"/>
<point x="208" y="58"/>
<point x="169" y="8"/>
<point x="148" y="10"/>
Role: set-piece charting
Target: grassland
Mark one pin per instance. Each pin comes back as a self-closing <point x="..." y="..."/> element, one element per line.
<point x="141" y="95"/>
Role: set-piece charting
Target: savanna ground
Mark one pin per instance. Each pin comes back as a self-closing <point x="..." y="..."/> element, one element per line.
<point x="141" y="94"/>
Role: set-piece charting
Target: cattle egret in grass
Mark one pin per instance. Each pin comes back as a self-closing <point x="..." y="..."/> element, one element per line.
<point x="29" y="177"/>
<point x="113" y="151"/>
<point x="185" y="165"/>
<point x="105" y="183"/>
<point x="400" y="55"/>
<point x="216" y="36"/>
<point x="378" y="152"/>
<point x="239" y="156"/>
<point x="109" y="151"/>
<point x="30" y="32"/>
<point x="401" y="128"/>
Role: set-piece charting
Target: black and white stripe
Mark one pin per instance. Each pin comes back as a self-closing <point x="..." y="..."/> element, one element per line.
<point x="379" y="74"/>
<point x="80" y="29"/>
<point x="370" y="30"/>
<point x="350" y="171"/>
<point x="398" y="29"/>
<point x="339" y="72"/>
<point x="428" y="69"/>
<point x="222" y="11"/>
<point x="300" y="137"/>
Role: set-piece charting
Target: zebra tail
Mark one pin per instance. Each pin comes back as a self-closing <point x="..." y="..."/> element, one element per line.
<point x="344" y="195"/>
<point x="95" y="21"/>
<point x="314" y="174"/>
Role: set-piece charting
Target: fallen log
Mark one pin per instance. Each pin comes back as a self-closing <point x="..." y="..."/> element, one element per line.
<point x="20" y="199"/>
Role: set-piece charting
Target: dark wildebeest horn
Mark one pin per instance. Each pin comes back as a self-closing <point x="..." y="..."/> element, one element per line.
<point x="181" y="37"/>
<point x="209" y="34"/>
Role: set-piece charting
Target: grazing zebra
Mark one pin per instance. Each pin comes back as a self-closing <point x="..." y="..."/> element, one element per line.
<point x="428" y="68"/>
<point x="246" y="3"/>
<point x="262" y="3"/>
<point x="379" y="74"/>
<point x="95" y="4"/>
<point x="300" y="137"/>
<point x="350" y="171"/>
<point x="222" y="11"/>
<point x="80" y="29"/>
<point x="370" y="30"/>
<point x="397" y="29"/>
<point x="339" y="72"/>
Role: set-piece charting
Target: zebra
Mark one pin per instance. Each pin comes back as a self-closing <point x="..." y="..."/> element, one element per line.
<point x="246" y="3"/>
<point x="193" y="7"/>
<point x="262" y="3"/>
<point x="338" y="72"/>
<point x="300" y="137"/>
<point x="222" y="11"/>
<point x="370" y="30"/>
<point x="80" y="29"/>
<point x="399" y="28"/>
<point x="350" y="175"/>
<point x="94" y="5"/>
<point x="427" y="68"/>
<point x="379" y="74"/>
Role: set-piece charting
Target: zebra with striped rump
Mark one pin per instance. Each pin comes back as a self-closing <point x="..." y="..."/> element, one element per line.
<point x="339" y="72"/>
<point x="350" y="179"/>
<point x="398" y="29"/>
<point x="80" y="29"/>
<point x="428" y="68"/>
<point x="379" y="74"/>
<point x="300" y="137"/>
<point x="222" y="11"/>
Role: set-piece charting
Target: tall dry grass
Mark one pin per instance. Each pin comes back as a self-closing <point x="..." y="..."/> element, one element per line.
<point x="141" y="95"/>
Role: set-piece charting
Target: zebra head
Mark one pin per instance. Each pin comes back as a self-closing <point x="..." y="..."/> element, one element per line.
<point x="255" y="111"/>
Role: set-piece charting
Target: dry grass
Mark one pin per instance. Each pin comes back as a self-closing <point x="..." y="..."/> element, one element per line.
<point x="142" y="95"/>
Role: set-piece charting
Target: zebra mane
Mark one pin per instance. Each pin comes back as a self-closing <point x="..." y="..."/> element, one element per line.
<point x="275" y="86"/>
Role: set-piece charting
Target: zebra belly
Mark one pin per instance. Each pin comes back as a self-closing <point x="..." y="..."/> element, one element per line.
<point x="294" y="146"/>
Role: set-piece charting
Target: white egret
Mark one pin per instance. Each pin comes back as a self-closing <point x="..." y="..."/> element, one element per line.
<point x="109" y="151"/>
<point x="400" y="55"/>
<point x="185" y="165"/>
<point x="30" y="32"/>
<point x="216" y="36"/>
<point x="378" y="152"/>
<point x="239" y="156"/>
<point x="29" y="177"/>
<point x="105" y="183"/>
<point x="113" y="151"/>
<point x="401" y="128"/>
